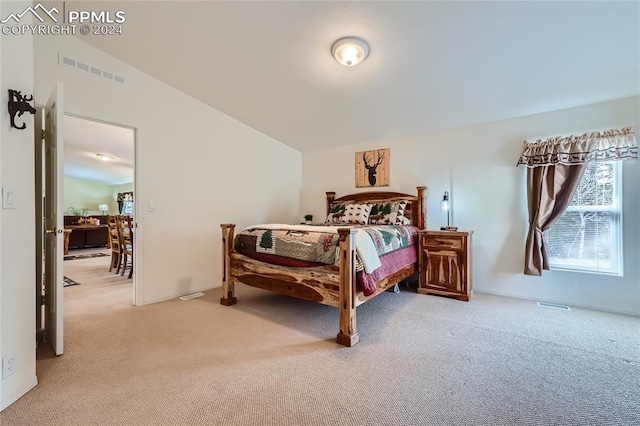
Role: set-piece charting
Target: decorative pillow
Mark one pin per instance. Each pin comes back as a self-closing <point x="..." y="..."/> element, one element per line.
<point x="384" y="213"/>
<point x="336" y="213"/>
<point x="350" y="213"/>
<point x="390" y="213"/>
<point x="401" y="218"/>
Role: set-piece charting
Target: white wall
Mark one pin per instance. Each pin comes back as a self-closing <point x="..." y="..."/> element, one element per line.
<point x="79" y="193"/>
<point x="476" y="164"/>
<point x="197" y="165"/>
<point x="17" y="227"/>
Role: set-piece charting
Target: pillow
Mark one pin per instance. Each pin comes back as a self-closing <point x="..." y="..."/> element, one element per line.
<point x="350" y="213"/>
<point x="389" y="213"/>
<point x="336" y="212"/>
<point x="401" y="218"/>
<point x="384" y="213"/>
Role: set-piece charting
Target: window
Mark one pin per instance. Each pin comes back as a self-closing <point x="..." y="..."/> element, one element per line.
<point x="588" y="236"/>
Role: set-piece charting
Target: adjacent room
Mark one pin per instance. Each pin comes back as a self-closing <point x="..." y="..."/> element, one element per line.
<point x="399" y="213"/>
<point x="98" y="196"/>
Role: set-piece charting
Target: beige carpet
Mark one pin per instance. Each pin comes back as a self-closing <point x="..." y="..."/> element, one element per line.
<point x="272" y="360"/>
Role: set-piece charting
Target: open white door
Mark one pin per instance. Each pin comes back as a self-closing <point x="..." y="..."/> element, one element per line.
<point x="54" y="220"/>
<point x="38" y="130"/>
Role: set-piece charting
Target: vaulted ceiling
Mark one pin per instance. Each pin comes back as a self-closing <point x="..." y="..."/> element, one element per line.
<point x="432" y="65"/>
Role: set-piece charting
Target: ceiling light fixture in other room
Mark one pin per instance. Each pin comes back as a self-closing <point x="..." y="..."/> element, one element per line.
<point x="105" y="157"/>
<point x="350" y="51"/>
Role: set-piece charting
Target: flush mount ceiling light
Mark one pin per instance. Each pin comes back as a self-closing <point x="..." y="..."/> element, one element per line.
<point x="105" y="157"/>
<point x="350" y="51"/>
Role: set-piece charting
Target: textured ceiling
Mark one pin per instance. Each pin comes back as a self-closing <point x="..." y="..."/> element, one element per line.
<point x="432" y="64"/>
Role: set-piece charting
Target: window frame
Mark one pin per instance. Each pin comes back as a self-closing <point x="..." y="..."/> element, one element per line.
<point x="616" y="209"/>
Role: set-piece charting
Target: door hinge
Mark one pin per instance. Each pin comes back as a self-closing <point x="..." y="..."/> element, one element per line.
<point x="42" y="336"/>
<point x="42" y="134"/>
<point x="42" y="300"/>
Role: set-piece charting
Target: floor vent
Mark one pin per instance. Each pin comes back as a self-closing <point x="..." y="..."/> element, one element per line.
<point x="554" y="306"/>
<point x="89" y="69"/>
<point x="191" y="296"/>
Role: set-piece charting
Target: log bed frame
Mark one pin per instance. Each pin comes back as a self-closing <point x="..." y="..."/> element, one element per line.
<point x="331" y="285"/>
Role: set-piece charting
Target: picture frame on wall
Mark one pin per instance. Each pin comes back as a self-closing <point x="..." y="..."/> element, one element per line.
<point x="372" y="168"/>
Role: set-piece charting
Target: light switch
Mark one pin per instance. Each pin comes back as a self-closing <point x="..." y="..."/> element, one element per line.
<point x="8" y="198"/>
<point x="152" y="206"/>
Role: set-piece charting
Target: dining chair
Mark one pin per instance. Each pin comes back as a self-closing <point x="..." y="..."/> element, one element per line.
<point x="114" y="241"/>
<point x="126" y="239"/>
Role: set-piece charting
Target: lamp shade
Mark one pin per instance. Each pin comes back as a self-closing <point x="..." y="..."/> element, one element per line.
<point x="350" y="51"/>
<point x="446" y="207"/>
<point x="103" y="207"/>
<point x="444" y="204"/>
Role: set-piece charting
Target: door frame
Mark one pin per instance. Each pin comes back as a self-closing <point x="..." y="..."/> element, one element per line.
<point x="137" y="296"/>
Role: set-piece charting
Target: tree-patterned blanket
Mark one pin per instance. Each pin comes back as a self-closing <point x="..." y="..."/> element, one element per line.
<point x="319" y="244"/>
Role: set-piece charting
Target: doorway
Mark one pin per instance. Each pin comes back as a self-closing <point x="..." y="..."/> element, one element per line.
<point x="98" y="163"/>
<point x="99" y="172"/>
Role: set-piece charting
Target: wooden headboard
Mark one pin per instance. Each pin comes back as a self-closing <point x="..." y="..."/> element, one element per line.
<point x="416" y="204"/>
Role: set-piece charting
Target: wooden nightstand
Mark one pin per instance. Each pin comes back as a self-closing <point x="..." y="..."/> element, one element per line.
<point x="445" y="263"/>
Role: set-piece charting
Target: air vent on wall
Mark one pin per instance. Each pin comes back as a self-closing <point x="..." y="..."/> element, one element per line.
<point x="67" y="61"/>
<point x="89" y="69"/>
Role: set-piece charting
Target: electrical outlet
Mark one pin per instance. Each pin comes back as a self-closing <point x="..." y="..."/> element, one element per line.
<point x="8" y="365"/>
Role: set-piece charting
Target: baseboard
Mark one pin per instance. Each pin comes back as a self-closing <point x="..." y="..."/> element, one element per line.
<point x="18" y="393"/>
<point x="562" y="302"/>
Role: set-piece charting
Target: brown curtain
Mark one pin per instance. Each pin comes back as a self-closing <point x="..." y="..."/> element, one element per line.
<point x="550" y="190"/>
<point x="554" y="169"/>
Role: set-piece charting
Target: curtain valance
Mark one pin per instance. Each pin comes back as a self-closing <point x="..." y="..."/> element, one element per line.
<point x="614" y="144"/>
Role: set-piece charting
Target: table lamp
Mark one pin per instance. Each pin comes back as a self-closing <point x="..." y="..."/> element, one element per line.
<point x="103" y="208"/>
<point x="445" y="207"/>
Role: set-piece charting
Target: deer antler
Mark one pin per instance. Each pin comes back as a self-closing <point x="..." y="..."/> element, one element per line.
<point x="364" y="158"/>
<point x="380" y="158"/>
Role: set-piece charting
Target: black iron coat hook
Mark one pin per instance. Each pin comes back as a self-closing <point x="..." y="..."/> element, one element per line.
<point x="19" y="104"/>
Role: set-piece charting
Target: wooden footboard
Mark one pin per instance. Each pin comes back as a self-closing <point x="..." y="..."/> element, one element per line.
<point x="329" y="285"/>
<point x="228" y="289"/>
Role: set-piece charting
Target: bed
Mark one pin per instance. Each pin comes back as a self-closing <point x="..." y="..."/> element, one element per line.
<point x="333" y="285"/>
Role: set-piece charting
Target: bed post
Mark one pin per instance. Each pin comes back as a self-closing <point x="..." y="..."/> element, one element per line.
<point x="330" y="197"/>
<point x="348" y="336"/>
<point x="228" y="290"/>
<point x="421" y="214"/>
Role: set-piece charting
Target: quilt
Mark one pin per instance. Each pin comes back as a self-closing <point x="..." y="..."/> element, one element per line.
<point x="314" y="245"/>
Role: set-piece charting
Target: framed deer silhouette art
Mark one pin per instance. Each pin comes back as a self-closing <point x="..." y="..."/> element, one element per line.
<point x="372" y="168"/>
